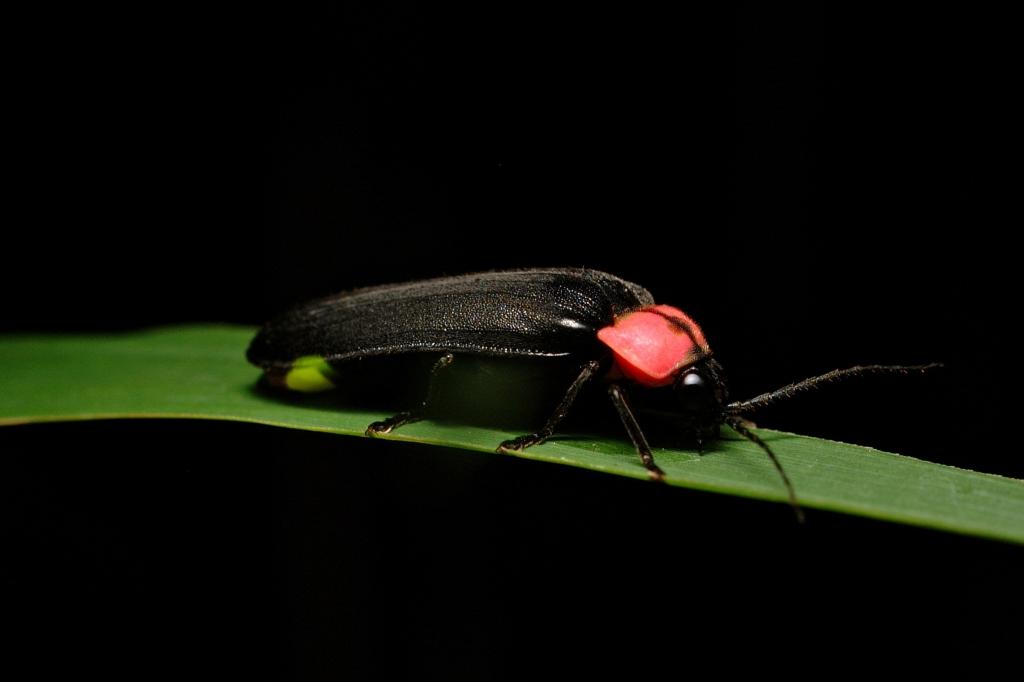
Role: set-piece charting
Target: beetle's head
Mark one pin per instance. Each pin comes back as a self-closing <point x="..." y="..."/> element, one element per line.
<point x="701" y="393"/>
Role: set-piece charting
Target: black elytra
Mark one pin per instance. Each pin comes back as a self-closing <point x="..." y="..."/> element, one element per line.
<point x="611" y="326"/>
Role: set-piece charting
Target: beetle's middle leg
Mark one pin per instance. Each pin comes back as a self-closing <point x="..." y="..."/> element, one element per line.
<point x="402" y="418"/>
<point x="522" y="442"/>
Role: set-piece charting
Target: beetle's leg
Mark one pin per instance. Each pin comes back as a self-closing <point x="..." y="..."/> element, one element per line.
<point x="618" y="397"/>
<point x="415" y="415"/>
<point x="522" y="442"/>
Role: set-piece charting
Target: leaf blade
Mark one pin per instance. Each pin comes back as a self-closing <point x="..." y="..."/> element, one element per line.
<point x="199" y="372"/>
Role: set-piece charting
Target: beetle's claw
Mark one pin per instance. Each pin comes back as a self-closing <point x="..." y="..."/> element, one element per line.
<point x="656" y="474"/>
<point x="519" y="444"/>
<point x="378" y="429"/>
<point x="513" y="445"/>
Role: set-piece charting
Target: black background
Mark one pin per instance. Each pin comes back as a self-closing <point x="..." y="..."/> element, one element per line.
<point x="817" y="189"/>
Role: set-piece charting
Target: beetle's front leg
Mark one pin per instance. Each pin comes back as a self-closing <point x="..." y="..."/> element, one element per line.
<point x="618" y="397"/>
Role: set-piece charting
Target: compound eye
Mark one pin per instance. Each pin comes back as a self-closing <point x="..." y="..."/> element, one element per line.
<point x="694" y="379"/>
<point x="693" y="393"/>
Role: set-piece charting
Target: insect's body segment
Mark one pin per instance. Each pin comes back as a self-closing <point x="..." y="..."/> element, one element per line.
<point x="613" y="327"/>
<point x="525" y="313"/>
<point x="653" y="344"/>
<point x="307" y="374"/>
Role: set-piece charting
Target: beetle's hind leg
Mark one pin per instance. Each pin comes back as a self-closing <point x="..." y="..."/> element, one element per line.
<point x="402" y="418"/>
<point x="523" y="442"/>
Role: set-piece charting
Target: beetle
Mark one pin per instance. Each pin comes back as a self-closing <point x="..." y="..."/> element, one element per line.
<point x="612" y="327"/>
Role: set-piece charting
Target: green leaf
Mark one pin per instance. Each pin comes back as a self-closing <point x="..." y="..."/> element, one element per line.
<point x="199" y="372"/>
